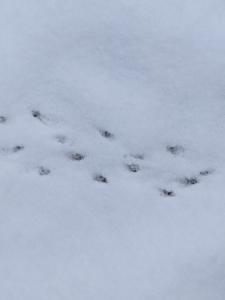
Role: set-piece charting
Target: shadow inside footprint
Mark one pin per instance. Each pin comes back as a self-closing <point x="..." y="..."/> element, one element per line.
<point x="43" y="171"/>
<point x="106" y="134"/>
<point x="189" y="181"/>
<point x="76" y="156"/>
<point x="133" y="168"/>
<point x="167" y="193"/>
<point x="18" y="148"/>
<point x="36" y="113"/>
<point x="175" y="149"/>
<point x="100" y="178"/>
<point x="2" y="119"/>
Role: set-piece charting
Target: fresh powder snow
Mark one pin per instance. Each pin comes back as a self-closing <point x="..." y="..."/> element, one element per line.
<point x="112" y="150"/>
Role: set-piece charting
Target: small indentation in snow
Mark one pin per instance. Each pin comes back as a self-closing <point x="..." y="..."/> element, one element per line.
<point x="18" y="148"/>
<point x="206" y="172"/>
<point x="175" y="149"/>
<point x="76" y="156"/>
<point x="133" y="167"/>
<point x="3" y="119"/>
<point x="106" y="134"/>
<point x="36" y="114"/>
<point x="167" y="193"/>
<point x="189" y="181"/>
<point x="43" y="171"/>
<point x="100" y="178"/>
<point x="61" y="139"/>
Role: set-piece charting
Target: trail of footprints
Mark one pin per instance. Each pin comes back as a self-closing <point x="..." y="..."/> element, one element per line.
<point x="134" y="167"/>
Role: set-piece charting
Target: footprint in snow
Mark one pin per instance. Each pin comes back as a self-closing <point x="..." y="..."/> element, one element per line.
<point x="106" y="134"/>
<point x="189" y="181"/>
<point x="18" y="148"/>
<point x="75" y="156"/>
<point x="43" y="171"/>
<point x="167" y="193"/>
<point x="175" y="150"/>
<point x="100" y="178"/>
<point x="36" y="114"/>
<point x="194" y="180"/>
<point x="13" y="150"/>
<point x="133" y="168"/>
<point x="206" y="172"/>
<point x="61" y="139"/>
<point x="3" y="119"/>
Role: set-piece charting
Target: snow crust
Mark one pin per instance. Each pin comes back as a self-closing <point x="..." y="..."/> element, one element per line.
<point x="151" y="75"/>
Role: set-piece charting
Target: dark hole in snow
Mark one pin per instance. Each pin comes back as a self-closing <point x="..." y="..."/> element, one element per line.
<point x="167" y="193"/>
<point x="76" y="156"/>
<point x="175" y="149"/>
<point x="18" y="148"/>
<point x="133" y="167"/>
<point x="36" y="114"/>
<point x="107" y="134"/>
<point x="43" y="171"/>
<point x="2" y="119"/>
<point x="100" y="178"/>
<point x="189" y="181"/>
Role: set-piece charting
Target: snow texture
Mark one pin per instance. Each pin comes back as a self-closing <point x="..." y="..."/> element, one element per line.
<point x="112" y="150"/>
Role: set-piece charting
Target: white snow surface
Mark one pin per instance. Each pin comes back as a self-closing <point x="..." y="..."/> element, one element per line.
<point x="152" y="74"/>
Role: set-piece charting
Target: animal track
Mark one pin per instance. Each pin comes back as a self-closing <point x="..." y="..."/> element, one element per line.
<point x="189" y="181"/>
<point x="175" y="149"/>
<point x="43" y="171"/>
<point x="133" y="167"/>
<point x="13" y="150"/>
<point x="76" y="156"/>
<point x="61" y="139"/>
<point x="107" y="134"/>
<point x="206" y="172"/>
<point x="100" y="178"/>
<point x="167" y="193"/>
<point x="2" y="119"/>
<point x="36" y="114"/>
<point x="18" y="148"/>
<point x="39" y="116"/>
<point x="193" y="180"/>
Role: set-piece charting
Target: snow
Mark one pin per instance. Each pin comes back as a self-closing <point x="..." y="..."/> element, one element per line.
<point x="151" y="75"/>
